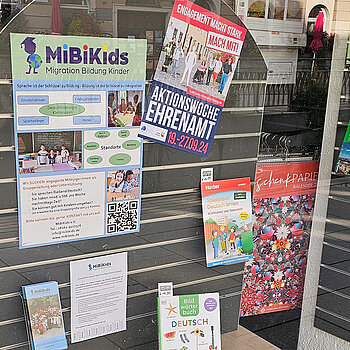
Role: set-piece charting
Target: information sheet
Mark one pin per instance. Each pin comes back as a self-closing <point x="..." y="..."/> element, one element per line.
<point x="98" y="296"/>
<point x="227" y="217"/>
<point x="284" y="195"/>
<point x="77" y="110"/>
<point x="45" y="316"/>
<point x="194" y="72"/>
<point x="189" y="322"/>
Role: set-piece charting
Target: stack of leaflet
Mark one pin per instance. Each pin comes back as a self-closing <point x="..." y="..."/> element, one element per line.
<point x="45" y="318"/>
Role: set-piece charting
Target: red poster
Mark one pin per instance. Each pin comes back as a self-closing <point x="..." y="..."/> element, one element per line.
<point x="282" y="214"/>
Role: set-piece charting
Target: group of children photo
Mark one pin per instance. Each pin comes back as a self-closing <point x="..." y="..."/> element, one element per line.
<point x="230" y="242"/>
<point x="45" y="317"/>
<point x="52" y="157"/>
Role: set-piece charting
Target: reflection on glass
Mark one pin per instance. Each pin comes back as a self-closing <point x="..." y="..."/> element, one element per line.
<point x="256" y="9"/>
<point x="276" y="9"/>
<point x="294" y="10"/>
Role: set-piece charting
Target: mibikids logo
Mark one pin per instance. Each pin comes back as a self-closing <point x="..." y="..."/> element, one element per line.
<point x="99" y="266"/>
<point x="86" y="55"/>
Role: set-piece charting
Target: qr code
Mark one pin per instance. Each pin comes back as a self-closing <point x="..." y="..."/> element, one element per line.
<point x="122" y="216"/>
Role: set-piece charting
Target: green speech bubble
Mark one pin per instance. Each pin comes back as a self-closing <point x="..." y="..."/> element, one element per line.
<point x="91" y="146"/>
<point x="131" y="144"/>
<point x="123" y="133"/>
<point x="94" y="159"/>
<point x="102" y="134"/>
<point x="120" y="159"/>
<point x="62" y="109"/>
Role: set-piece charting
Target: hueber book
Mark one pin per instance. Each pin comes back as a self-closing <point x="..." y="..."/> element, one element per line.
<point x="227" y="216"/>
<point x="189" y="322"/>
<point x="45" y="316"/>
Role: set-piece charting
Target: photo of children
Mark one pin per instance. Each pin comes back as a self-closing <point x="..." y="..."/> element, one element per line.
<point x="45" y="317"/>
<point x="49" y="152"/>
<point x="185" y="61"/>
<point x="123" y="184"/>
<point x="124" y="108"/>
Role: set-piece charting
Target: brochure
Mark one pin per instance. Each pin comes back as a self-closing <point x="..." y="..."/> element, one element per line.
<point x="45" y="316"/>
<point x="98" y="296"/>
<point x="194" y="72"/>
<point x="189" y="322"/>
<point x="227" y="220"/>
<point x="343" y="163"/>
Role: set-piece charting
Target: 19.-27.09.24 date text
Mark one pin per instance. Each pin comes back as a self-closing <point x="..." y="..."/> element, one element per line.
<point x="188" y="142"/>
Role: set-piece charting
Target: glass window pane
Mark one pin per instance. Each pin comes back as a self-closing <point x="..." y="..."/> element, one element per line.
<point x="276" y="9"/>
<point x="295" y="9"/>
<point x="256" y="9"/>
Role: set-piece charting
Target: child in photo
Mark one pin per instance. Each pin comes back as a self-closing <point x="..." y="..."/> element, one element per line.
<point x="43" y="156"/>
<point x="215" y="243"/>
<point x="58" y="158"/>
<point x="129" y="181"/>
<point x="52" y="157"/>
<point x="64" y="154"/>
<point x="116" y="185"/>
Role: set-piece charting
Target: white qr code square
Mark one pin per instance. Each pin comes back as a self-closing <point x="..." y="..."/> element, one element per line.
<point x="122" y="216"/>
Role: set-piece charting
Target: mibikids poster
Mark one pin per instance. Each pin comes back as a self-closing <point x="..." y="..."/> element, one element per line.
<point x="45" y="318"/>
<point x="192" y="78"/>
<point x="227" y="216"/>
<point x="77" y="110"/>
<point x="189" y="322"/>
<point x="343" y="164"/>
<point x="283" y="204"/>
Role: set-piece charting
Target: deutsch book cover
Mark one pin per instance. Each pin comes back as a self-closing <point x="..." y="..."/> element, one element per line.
<point x="189" y="322"/>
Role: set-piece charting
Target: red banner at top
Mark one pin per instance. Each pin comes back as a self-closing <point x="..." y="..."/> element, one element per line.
<point x="281" y="179"/>
<point x="191" y="13"/>
<point x="211" y="187"/>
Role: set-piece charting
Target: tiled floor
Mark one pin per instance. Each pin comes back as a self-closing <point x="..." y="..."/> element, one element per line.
<point x="242" y="339"/>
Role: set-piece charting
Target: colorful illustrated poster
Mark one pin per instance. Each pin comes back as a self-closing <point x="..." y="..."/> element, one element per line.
<point x="189" y="322"/>
<point x="45" y="316"/>
<point x="98" y="296"/>
<point x="77" y="109"/>
<point x="343" y="164"/>
<point x="194" y="72"/>
<point x="227" y="221"/>
<point x="283" y="204"/>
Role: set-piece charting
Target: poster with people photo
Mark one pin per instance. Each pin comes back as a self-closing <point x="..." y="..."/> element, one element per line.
<point x="45" y="318"/>
<point x="195" y="69"/>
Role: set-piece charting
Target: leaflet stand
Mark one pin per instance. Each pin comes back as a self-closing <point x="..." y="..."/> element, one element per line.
<point x="27" y="322"/>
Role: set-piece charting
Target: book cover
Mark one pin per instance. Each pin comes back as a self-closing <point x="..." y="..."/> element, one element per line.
<point x="227" y="217"/>
<point x="343" y="163"/>
<point x="189" y="322"/>
<point x="45" y="316"/>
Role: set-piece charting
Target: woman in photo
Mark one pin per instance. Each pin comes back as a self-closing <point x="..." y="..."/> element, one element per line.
<point x="116" y="185"/>
<point x="122" y="106"/>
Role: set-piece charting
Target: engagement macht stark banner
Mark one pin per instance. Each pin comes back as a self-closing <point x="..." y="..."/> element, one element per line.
<point x="283" y="204"/>
<point x="77" y="109"/>
<point x="193" y="76"/>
